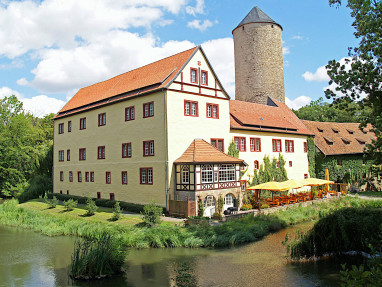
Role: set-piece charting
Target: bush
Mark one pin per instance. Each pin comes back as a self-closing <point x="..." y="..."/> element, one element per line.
<point x="36" y="188"/>
<point x="91" y="207"/>
<point x="52" y="203"/>
<point x="116" y="212"/>
<point x="96" y="258"/>
<point x="70" y="204"/>
<point x="201" y="208"/>
<point x="245" y="207"/>
<point x="151" y="214"/>
<point x="217" y="216"/>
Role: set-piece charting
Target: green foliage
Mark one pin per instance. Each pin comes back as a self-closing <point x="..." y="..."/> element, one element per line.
<point x="96" y="257"/>
<point x="232" y="151"/>
<point x="39" y="185"/>
<point x="90" y="207"/>
<point x="151" y="214"/>
<point x="70" y="204"/>
<point x="201" y="208"/>
<point x="53" y="202"/>
<point x="220" y="205"/>
<point x="116" y="212"/>
<point x="269" y="171"/>
<point x="217" y="216"/>
<point x="351" y="170"/>
<point x="358" y="79"/>
<point x="311" y="156"/>
<point x="324" y="112"/>
<point x="359" y="276"/>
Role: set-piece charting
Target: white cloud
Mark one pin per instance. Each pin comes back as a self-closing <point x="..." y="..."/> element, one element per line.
<point x="22" y="82"/>
<point x="198" y="9"/>
<point x="297" y="102"/>
<point x="202" y="26"/>
<point x="220" y="53"/>
<point x="320" y="75"/>
<point x="286" y="51"/>
<point x="39" y="106"/>
<point x="297" y="37"/>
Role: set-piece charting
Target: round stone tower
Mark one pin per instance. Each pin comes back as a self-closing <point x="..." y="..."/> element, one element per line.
<point x="259" y="71"/>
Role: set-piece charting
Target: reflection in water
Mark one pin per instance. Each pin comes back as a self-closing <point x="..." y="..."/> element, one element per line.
<point x="30" y="259"/>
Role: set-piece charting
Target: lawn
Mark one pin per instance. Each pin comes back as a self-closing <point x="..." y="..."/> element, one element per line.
<point x="371" y="193"/>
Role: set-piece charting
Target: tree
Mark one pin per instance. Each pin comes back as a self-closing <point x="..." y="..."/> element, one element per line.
<point x="232" y="151"/>
<point x="359" y="78"/>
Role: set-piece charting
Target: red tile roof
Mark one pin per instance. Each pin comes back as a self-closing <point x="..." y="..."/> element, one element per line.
<point x="275" y="117"/>
<point x="151" y="77"/>
<point x="339" y="138"/>
<point x="201" y="151"/>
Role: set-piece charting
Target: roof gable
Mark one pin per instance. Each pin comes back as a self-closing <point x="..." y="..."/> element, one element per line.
<point x="151" y="77"/>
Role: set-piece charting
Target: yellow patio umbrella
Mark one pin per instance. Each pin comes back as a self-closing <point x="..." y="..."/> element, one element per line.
<point x="315" y="181"/>
<point x="293" y="184"/>
<point x="272" y="186"/>
<point x="327" y="178"/>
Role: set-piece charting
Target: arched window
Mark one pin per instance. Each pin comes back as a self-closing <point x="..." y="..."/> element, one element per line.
<point x="209" y="201"/>
<point x="228" y="199"/>
<point x="256" y="164"/>
<point x="185" y="174"/>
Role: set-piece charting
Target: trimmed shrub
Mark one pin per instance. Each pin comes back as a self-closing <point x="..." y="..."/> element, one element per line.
<point x="151" y="214"/>
<point x="91" y="207"/>
<point x="70" y="204"/>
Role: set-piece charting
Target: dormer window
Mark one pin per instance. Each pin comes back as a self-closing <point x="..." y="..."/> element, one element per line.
<point x="328" y="141"/>
<point x="335" y="131"/>
<point x="361" y="142"/>
<point x="194" y="75"/>
<point x="347" y="142"/>
<point x="350" y="131"/>
<point x="320" y="130"/>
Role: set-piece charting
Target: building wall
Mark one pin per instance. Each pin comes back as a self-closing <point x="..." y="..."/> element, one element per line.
<point x="259" y="68"/>
<point x="116" y="132"/>
<point x="299" y="158"/>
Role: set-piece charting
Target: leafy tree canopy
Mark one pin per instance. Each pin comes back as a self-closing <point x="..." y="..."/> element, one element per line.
<point x="359" y="78"/>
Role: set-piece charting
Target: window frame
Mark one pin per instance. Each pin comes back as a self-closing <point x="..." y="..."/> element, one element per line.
<point x="226" y="171"/>
<point x="212" y="110"/>
<point x="217" y="143"/>
<point x="69" y="126"/>
<point x="103" y="154"/>
<point x="79" y="176"/>
<point x="254" y="144"/>
<point x="287" y="146"/>
<point x="127" y="150"/>
<point x="239" y="143"/>
<point x="92" y="176"/>
<point x="61" y="128"/>
<point x="61" y="176"/>
<point x="87" y="177"/>
<point x="150" y="153"/>
<point x="98" y="195"/>
<point x="102" y="119"/>
<point x="61" y="155"/>
<point x="112" y="196"/>
<point x="70" y="176"/>
<point x="148" y="104"/>
<point x="82" y="154"/>
<point x="256" y="165"/>
<point x="196" y="75"/>
<point x="290" y="163"/>
<point x="146" y="169"/>
<point x="190" y="108"/>
<point x="201" y="77"/>
<point x="83" y="123"/>
<point x="108" y="177"/>
<point x="305" y="147"/>
<point x="128" y="111"/>
<point x="68" y="155"/>
<point x="274" y="145"/>
<point x="122" y="177"/>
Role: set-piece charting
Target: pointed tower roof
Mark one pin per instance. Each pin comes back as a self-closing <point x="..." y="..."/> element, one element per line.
<point x="256" y="15"/>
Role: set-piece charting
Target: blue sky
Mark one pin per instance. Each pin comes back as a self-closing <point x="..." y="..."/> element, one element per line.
<point x="49" y="49"/>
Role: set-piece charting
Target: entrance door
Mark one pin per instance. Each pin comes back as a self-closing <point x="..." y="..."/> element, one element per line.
<point x="209" y="205"/>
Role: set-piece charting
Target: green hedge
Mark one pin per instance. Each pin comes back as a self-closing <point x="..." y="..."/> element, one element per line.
<point x="127" y="206"/>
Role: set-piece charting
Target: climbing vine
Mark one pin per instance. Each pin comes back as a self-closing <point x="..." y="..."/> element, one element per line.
<point x="312" y="156"/>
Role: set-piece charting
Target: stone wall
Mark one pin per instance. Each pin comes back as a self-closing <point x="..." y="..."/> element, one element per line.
<point x="259" y="71"/>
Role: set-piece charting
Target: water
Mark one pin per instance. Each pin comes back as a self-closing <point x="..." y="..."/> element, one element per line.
<point x="31" y="259"/>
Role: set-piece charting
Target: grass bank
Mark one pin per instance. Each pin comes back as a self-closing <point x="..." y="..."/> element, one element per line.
<point x="129" y="230"/>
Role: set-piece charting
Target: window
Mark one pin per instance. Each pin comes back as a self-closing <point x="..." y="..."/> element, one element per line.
<point x="289" y="146"/>
<point x="112" y="196"/>
<point x="79" y="176"/>
<point x="61" y="155"/>
<point x="335" y="131"/>
<point x="68" y="155"/>
<point x="148" y="110"/>
<point x="67" y="192"/>
<point x="305" y="147"/>
<point x="70" y="176"/>
<point x="194" y="75"/>
<point x="82" y="153"/>
<point x="243" y="184"/>
<point x="102" y="119"/>
<point x="185" y="176"/>
<point x="276" y="145"/>
<point x="207" y="174"/>
<point x="240" y="143"/>
<point x="290" y="163"/>
<point x="61" y="176"/>
<point x="255" y="144"/>
<point x="82" y="123"/>
<point x="146" y="175"/>
<point x="148" y="148"/>
<point x="92" y="176"/>
<point x="124" y="177"/>
<point x="60" y="191"/>
<point x="87" y="176"/>
<point x="60" y="128"/>
<point x="228" y="199"/>
<point x="204" y="78"/>
<point x="305" y="176"/>
<point x="213" y="111"/>
<point x="101" y="152"/>
<point x="98" y="195"/>
<point x="69" y="126"/>
<point x="256" y="164"/>
<point x="108" y="177"/>
<point x="191" y="108"/>
<point x="339" y="162"/>
<point x="218" y="143"/>
<point x="129" y="113"/>
<point x="209" y="201"/>
<point x="126" y="150"/>
<point x="278" y="164"/>
<point x="226" y="172"/>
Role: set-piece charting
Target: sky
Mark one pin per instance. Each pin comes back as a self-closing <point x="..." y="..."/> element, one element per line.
<point x="50" y="49"/>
